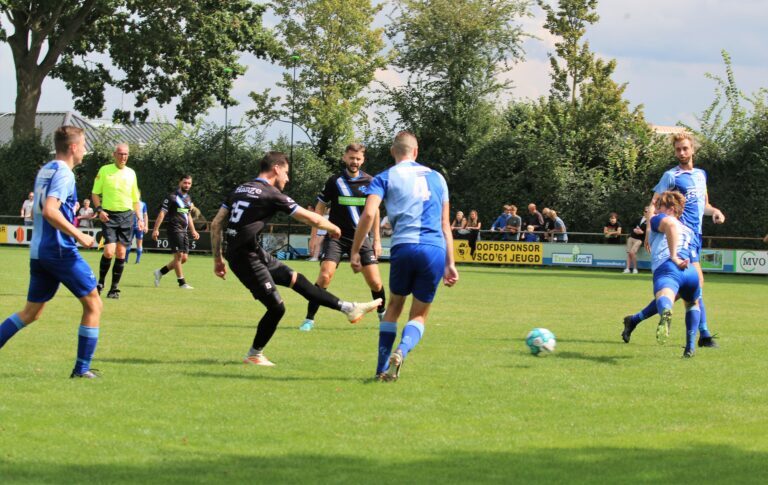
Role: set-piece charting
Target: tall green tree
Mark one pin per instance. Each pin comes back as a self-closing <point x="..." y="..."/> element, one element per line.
<point x="335" y="52"/>
<point x="158" y="49"/>
<point x="453" y="53"/>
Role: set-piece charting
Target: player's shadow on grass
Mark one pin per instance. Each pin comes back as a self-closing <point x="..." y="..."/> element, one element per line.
<point x="139" y="361"/>
<point x="262" y="376"/>
<point x="273" y="462"/>
<point x="600" y="359"/>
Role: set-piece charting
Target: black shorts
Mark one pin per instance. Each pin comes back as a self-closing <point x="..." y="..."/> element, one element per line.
<point x="335" y="249"/>
<point x="259" y="271"/>
<point x="178" y="241"/>
<point x="119" y="228"/>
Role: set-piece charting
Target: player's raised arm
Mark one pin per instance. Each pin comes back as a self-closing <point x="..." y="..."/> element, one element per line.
<point x="217" y="234"/>
<point x="451" y="275"/>
<point x="367" y="218"/>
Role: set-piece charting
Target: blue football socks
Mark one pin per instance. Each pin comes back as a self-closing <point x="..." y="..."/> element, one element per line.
<point x="412" y="333"/>
<point x="387" y="335"/>
<point x="663" y="303"/>
<point x="645" y="313"/>
<point x="703" y="329"/>
<point x="692" y="317"/>
<point x="8" y="329"/>
<point x="139" y="252"/>
<point x="87" y="339"/>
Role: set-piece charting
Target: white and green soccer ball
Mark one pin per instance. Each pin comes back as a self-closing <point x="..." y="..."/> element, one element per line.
<point x="540" y="339"/>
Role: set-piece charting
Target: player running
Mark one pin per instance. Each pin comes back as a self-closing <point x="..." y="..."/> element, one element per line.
<point x="177" y="206"/>
<point x="416" y="198"/>
<point x="345" y="194"/>
<point x="672" y="247"/>
<point x="692" y="184"/>
<point x="242" y="217"/>
<point x="53" y="253"/>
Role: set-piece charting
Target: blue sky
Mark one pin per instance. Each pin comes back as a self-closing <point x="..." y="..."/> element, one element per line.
<point x="663" y="50"/>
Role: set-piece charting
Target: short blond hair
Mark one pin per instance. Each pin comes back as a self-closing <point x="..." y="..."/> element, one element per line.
<point x="673" y="200"/>
<point x="404" y="143"/>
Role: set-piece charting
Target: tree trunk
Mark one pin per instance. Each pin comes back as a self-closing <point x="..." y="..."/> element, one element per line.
<point x="28" y="90"/>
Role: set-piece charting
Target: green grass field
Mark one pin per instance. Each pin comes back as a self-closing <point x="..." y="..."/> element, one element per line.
<point x="176" y="404"/>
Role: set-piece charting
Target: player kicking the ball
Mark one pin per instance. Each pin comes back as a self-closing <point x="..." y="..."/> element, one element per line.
<point x="672" y="249"/>
<point x="417" y="204"/>
<point x="242" y="217"/>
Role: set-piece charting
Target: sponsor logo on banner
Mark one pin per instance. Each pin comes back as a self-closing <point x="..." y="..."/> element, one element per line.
<point x="752" y="262"/>
<point x="583" y="259"/>
<point x="499" y="252"/>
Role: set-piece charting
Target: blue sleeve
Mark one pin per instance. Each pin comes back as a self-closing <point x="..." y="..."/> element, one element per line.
<point x="667" y="182"/>
<point x="498" y="223"/>
<point x="444" y="186"/>
<point x="655" y="221"/>
<point x="379" y="185"/>
<point x="62" y="185"/>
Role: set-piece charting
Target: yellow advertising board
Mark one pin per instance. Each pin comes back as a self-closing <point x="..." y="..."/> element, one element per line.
<point x="3" y="234"/>
<point x="499" y="252"/>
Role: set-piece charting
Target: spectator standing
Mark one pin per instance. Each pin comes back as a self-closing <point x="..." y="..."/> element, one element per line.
<point x="26" y="210"/>
<point x="474" y="226"/>
<point x="635" y="241"/>
<point x="533" y="219"/>
<point x="85" y="215"/>
<point x="501" y="222"/>
<point x="514" y="224"/>
<point x="558" y="232"/>
<point x="612" y="229"/>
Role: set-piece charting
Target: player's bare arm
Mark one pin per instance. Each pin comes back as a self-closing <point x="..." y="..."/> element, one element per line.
<point x="52" y="214"/>
<point x="192" y="230"/>
<point x="317" y="221"/>
<point x="709" y="210"/>
<point x="451" y="275"/>
<point x="371" y="208"/>
<point x="158" y="223"/>
<point x="217" y="233"/>
<point x="651" y="212"/>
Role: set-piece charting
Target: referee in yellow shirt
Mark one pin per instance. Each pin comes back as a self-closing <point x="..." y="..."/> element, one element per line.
<point x="116" y="197"/>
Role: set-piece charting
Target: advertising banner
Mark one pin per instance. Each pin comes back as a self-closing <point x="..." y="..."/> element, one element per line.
<point x="753" y="262"/>
<point x="499" y="252"/>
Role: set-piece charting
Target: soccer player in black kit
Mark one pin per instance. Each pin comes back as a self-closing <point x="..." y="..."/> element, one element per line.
<point x="176" y="207"/>
<point x="345" y="193"/>
<point x="240" y="220"/>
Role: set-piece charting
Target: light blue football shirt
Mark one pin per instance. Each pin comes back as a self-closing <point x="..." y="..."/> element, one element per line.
<point x="414" y="196"/>
<point x="55" y="179"/>
<point x="693" y="185"/>
<point x="660" y="246"/>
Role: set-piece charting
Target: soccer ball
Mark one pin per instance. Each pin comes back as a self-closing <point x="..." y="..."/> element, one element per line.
<point x="540" y="339"/>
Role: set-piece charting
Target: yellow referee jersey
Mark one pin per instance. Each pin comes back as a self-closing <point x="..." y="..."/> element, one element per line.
<point x="118" y="188"/>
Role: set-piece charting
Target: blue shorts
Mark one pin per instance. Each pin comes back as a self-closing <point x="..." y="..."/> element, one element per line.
<point x="46" y="274"/>
<point x="696" y="245"/>
<point x="417" y="269"/>
<point x="684" y="282"/>
<point x="139" y="235"/>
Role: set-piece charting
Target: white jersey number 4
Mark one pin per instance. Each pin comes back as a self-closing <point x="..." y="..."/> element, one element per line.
<point x="421" y="189"/>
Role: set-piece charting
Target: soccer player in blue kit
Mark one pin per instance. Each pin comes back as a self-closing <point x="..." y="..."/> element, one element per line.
<point x="53" y="254"/>
<point x="692" y="184"/>
<point x="417" y="204"/>
<point x="672" y="248"/>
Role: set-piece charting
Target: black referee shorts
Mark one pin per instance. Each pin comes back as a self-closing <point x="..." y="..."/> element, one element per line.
<point x="178" y="241"/>
<point x="259" y="271"/>
<point x="335" y="249"/>
<point x="119" y="228"/>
